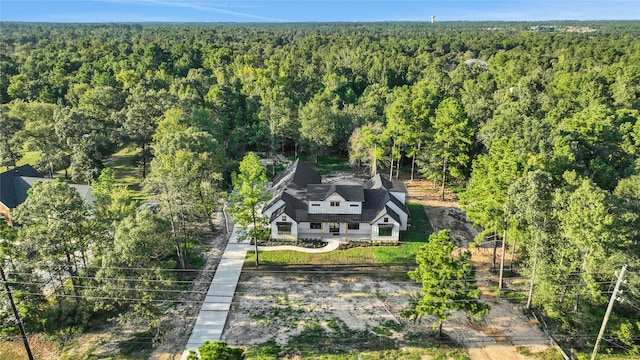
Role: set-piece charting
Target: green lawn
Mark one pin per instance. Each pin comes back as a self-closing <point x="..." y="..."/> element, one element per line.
<point x="125" y="164"/>
<point x="404" y="254"/>
<point x="327" y="164"/>
<point x="420" y="226"/>
<point x="30" y="157"/>
<point x="127" y="170"/>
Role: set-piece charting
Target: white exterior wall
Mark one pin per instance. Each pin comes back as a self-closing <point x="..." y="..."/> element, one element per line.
<point x="305" y="228"/>
<point x="305" y="231"/>
<point x="395" y="232"/>
<point x="363" y="233"/>
<point x="274" y="228"/>
<point x="326" y="208"/>
<point x="403" y="216"/>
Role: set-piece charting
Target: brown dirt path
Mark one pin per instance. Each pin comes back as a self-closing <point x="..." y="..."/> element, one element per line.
<point x="505" y="329"/>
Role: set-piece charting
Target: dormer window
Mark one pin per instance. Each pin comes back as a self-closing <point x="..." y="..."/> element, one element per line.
<point x="335" y="203"/>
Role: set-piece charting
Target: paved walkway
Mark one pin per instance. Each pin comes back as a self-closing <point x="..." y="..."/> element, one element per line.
<point x="216" y="305"/>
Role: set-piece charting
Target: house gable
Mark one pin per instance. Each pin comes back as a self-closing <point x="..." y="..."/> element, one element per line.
<point x="335" y="199"/>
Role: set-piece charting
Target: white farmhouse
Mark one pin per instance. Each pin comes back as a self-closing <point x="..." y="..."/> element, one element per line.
<point x="302" y="207"/>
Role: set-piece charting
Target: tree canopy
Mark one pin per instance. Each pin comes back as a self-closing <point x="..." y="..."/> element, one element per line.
<point x="448" y="282"/>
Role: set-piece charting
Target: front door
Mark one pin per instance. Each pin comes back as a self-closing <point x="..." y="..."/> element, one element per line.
<point x="334" y="228"/>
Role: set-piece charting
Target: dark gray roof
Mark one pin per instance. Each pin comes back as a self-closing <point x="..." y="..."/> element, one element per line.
<point x="300" y="194"/>
<point x="379" y="181"/>
<point x="319" y="192"/>
<point x="375" y="198"/>
<point x="294" y="179"/>
<point x="13" y="187"/>
<point x="292" y="205"/>
<point x="387" y="211"/>
<point x="298" y="175"/>
<point x="299" y="184"/>
<point x="399" y="204"/>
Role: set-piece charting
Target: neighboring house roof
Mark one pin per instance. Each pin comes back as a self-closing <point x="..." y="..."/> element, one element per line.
<point x="477" y="63"/>
<point x="319" y="192"/>
<point x="379" y="181"/>
<point x="14" y="184"/>
<point x="86" y="193"/>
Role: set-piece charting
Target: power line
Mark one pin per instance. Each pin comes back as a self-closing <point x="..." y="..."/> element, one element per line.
<point x="608" y="312"/>
<point x="138" y="268"/>
<point x="16" y="313"/>
<point x="308" y="272"/>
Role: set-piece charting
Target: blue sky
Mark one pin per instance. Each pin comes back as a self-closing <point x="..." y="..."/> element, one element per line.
<point x="313" y="10"/>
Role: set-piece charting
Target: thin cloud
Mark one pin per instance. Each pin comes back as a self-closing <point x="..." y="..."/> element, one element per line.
<point x="195" y="6"/>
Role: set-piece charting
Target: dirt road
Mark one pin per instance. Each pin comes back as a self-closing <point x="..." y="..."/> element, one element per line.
<point x="505" y="329"/>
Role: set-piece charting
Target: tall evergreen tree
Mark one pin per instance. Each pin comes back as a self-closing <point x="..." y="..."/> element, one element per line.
<point x="447" y="282"/>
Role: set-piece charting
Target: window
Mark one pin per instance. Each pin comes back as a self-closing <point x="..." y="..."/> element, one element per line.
<point x="385" y="230"/>
<point x="335" y="203"/>
<point x="315" y="226"/>
<point x="334" y="228"/>
<point x="386" y="219"/>
<point x="353" y="226"/>
<point x="354" y="205"/>
<point x="284" y="228"/>
<point x="315" y="204"/>
<point x="284" y="218"/>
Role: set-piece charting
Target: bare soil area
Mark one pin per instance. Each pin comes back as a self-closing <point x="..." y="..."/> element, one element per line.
<point x="279" y="307"/>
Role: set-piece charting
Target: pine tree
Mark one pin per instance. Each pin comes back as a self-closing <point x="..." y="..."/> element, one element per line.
<point x="448" y="282"/>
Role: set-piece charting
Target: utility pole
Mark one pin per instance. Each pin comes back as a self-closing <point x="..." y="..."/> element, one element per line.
<point x="16" y="313"/>
<point x="609" y="308"/>
<point x="504" y="248"/>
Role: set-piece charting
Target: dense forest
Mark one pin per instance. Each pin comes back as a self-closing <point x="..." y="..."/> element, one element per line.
<point x="535" y="125"/>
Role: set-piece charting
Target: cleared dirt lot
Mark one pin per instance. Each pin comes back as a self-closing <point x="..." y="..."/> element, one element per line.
<point x="280" y="307"/>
